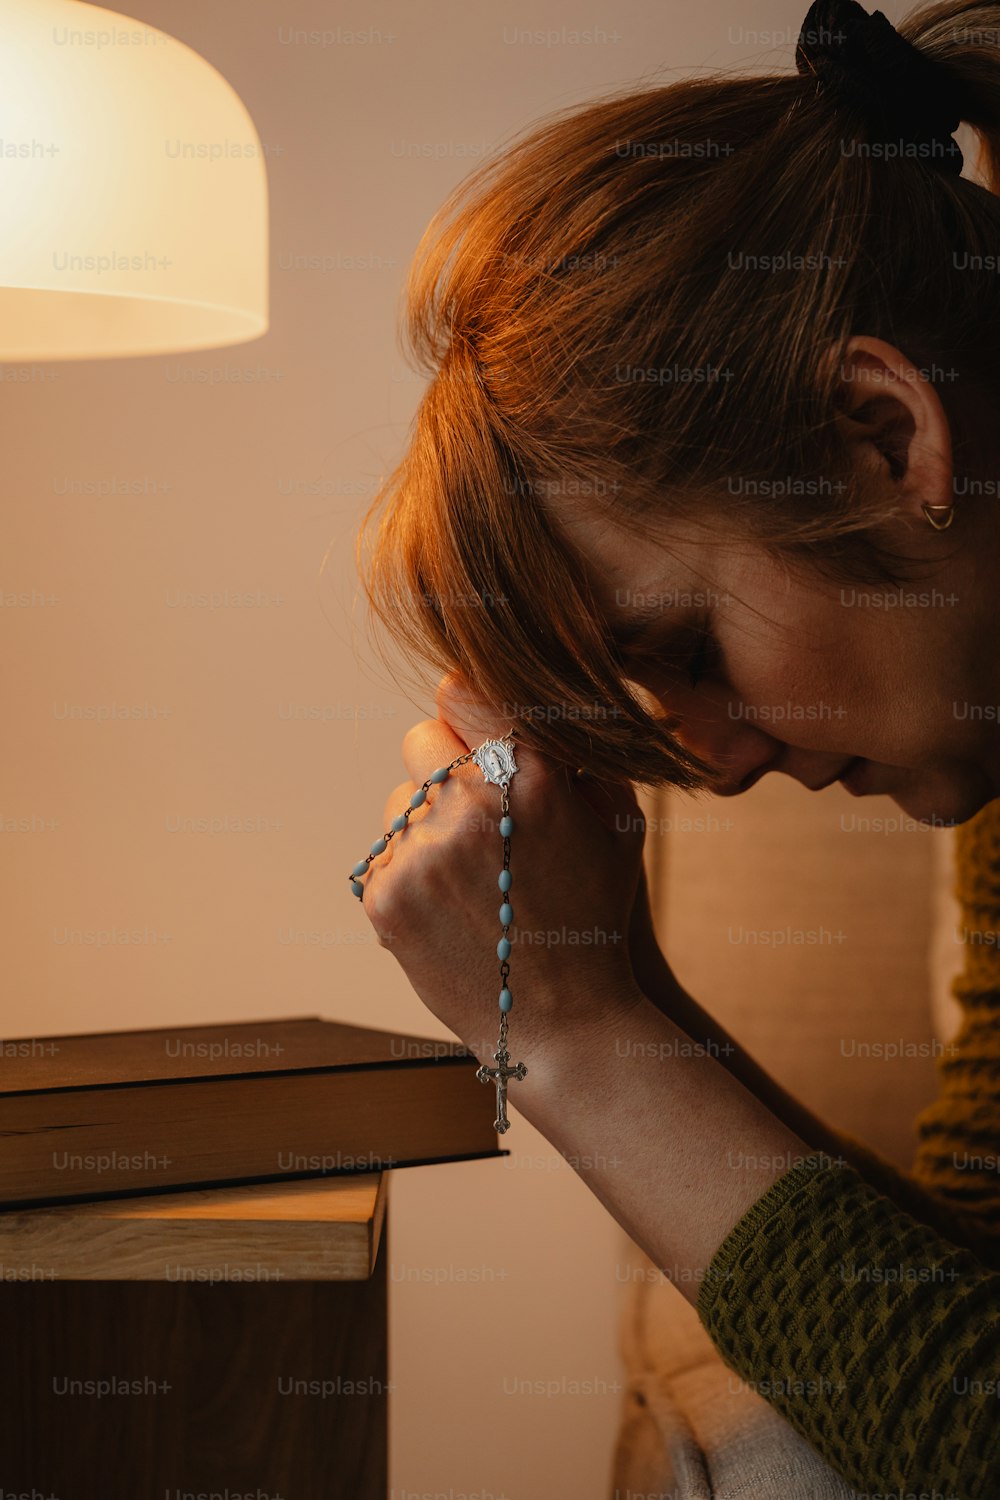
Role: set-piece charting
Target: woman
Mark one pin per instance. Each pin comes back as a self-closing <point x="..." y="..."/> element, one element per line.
<point x="709" y="360"/>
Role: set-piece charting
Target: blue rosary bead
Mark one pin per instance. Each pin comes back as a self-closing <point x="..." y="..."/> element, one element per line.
<point x="378" y="846"/>
<point x="506" y="826"/>
<point x="503" y="948"/>
<point x="506" y="914"/>
<point x="506" y="999"/>
<point x="360" y="867"/>
<point x="440" y="774"/>
<point x="399" y="823"/>
<point x="357" y="888"/>
<point x="418" y="798"/>
<point x="503" y="880"/>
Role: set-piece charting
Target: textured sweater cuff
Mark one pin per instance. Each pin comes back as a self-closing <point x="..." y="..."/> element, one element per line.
<point x="743" y="1233"/>
<point x="872" y="1334"/>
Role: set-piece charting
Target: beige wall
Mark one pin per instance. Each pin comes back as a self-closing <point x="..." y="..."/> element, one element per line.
<point x="247" y="481"/>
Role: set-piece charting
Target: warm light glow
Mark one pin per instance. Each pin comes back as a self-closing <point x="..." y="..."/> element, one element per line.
<point x="133" y="205"/>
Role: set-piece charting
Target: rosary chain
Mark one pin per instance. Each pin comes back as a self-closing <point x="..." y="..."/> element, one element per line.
<point x="502" y="1072"/>
<point x="390" y="833"/>
<point x="504" y="963"/>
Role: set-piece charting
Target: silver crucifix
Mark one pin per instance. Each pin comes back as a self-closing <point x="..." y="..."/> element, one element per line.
<point x="499" y="1075"/>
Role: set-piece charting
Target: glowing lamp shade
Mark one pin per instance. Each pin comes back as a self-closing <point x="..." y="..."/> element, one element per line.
<point x="133" y="193"/>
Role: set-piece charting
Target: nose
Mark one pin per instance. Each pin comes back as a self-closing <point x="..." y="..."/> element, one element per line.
<point x="714" y="728"/>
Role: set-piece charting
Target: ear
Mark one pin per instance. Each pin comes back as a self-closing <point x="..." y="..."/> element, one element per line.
<point x="892" y="416"/>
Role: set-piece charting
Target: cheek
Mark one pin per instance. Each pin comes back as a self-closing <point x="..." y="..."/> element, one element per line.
<point x="819" y="687"/>
<point x="898" y="684"/>
<point x="881" y="682"/>
<point x="875" y="685"/>
<point x="779" y="662"/>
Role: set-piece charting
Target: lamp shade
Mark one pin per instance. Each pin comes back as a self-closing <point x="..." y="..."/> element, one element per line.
<point x="133" y="191"/>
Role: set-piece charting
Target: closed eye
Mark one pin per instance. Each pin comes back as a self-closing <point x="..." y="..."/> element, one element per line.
<point x="693" y="653"/>
<point x="704" y="659"/>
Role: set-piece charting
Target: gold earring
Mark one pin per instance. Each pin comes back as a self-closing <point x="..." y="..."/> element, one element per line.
<point x="945" y="522"/>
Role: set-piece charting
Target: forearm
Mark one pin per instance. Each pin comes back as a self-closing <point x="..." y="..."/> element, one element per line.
<point x="674" y="1146"/>
<point x="661" y="987"/>
<point x="807" y="1279"/>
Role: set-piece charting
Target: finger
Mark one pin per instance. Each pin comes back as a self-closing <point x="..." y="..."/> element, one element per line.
<point x="394" y="811"/>
<point x="472" y="718"/>
<point x="396" y="803"/>
<point x="431" y="745"/>
<point x="476" y="720"/>
<point x="428" y="747"/>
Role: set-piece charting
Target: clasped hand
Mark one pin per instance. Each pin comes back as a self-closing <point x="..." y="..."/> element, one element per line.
<point x="578" y="887"/>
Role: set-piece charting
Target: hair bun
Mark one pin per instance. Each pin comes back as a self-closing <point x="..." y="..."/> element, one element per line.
<point x="901" y="90"/>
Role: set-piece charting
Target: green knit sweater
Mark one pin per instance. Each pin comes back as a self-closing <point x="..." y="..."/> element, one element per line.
<point x="865" y="1304"/>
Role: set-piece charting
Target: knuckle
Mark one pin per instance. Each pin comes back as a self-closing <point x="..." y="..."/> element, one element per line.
<point x="447" y="691"/>
<point x="411" y="737"/>
<point x="381" y="905"/>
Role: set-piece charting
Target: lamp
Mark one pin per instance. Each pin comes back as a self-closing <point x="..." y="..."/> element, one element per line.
<point x="133" y="192"/>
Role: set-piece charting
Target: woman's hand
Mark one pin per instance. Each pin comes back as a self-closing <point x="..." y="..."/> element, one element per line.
<point x="576" y="866"/>
<point x="618" y="806"/>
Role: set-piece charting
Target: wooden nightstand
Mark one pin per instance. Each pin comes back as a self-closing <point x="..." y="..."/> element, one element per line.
<point x="221" y="1342"/>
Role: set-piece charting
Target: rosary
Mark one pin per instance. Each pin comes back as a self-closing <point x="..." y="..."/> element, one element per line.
<point x="495" y="758"/>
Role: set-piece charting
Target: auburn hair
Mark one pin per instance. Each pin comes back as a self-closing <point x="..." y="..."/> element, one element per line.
<point x="604" y="239"/>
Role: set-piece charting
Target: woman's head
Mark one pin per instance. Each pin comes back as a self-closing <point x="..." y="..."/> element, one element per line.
<point x="692" y="350"/>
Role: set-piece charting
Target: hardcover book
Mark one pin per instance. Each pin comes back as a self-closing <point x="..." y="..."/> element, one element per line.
<point x="122" y="1113"/>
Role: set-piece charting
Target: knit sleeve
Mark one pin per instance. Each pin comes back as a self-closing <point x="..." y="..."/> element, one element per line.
<point x="958" y="1151"/>
<point x="954" y="1184"/>
<point x="877" y="1339"/>
<point x="923" y="1199"/>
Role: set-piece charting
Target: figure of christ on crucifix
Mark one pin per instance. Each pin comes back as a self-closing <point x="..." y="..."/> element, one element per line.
<point x="499" y="1075"/>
